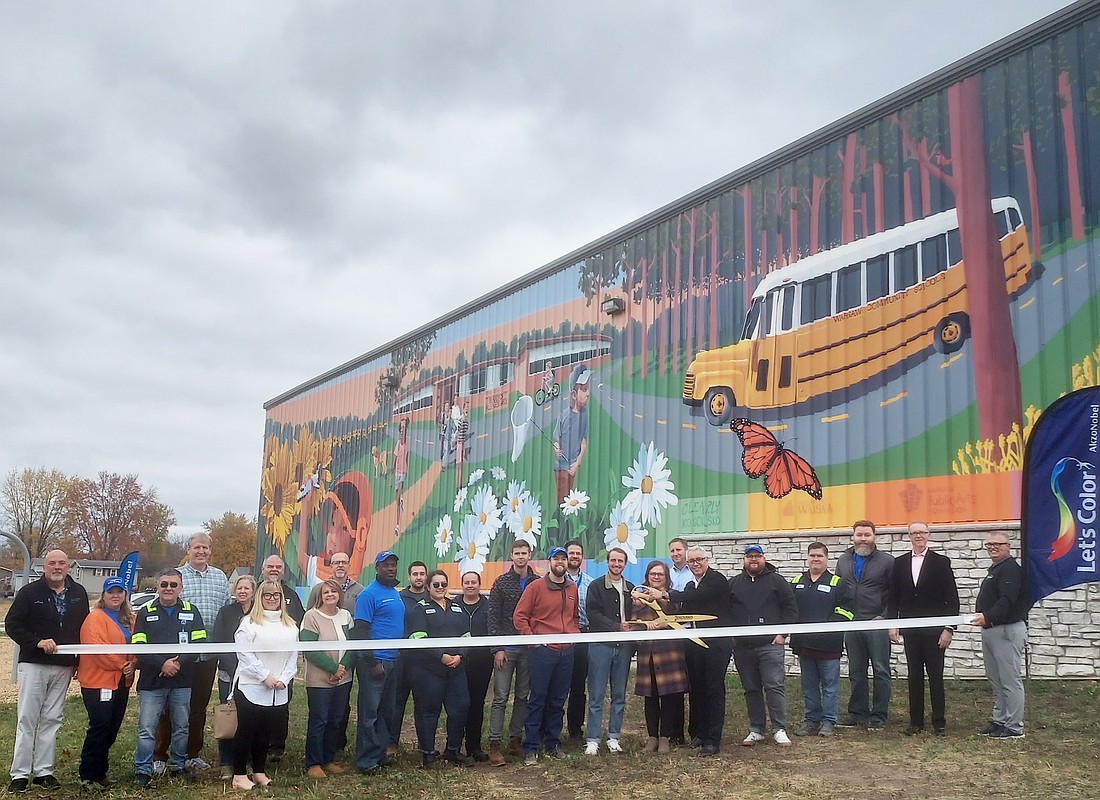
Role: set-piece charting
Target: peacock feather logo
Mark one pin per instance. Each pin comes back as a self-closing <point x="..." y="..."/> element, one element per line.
<point x="1067" y="527"/>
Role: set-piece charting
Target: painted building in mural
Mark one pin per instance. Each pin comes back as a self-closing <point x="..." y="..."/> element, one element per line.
<point x="865" y="324"/>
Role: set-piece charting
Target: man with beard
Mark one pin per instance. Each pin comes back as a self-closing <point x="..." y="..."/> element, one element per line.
<point x="869" y="572"/>
<point x="379" y="614"/>
<point x="548" y="606"/>
<point x="706" y="593"/>
<point x="760" y="596"/>
<point x="574" y="571"/>
<point x="411" y="595"/>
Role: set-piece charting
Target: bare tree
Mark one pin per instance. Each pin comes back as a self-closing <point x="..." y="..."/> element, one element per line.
<point x="32" y="506"/>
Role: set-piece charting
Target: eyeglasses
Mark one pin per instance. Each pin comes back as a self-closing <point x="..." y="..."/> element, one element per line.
<point x="988" y="545"/>
<point x="169" y="585"/>
<point x="339" y="563"/>
<point x="272" y="595"/>
<point x="697" y="561"/>
<point x="439" y="586"/>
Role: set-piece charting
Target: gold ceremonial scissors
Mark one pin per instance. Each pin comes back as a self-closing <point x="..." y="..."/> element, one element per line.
<point x="676" y="620"/>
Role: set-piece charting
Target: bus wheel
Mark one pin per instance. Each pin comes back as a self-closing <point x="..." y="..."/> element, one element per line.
<point x="718" y="406"/>
<point x="952" y="332"/>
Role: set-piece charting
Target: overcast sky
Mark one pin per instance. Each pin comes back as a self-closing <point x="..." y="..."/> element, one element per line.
<point x="203" y="205"/>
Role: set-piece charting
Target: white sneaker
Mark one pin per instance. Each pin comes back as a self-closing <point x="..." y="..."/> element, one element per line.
<point x="593" y="748"/>
<point x="195" y="764"/>
<point x="781" y="738"/>
<point x="160" y="767"/>
<point x="613" y="746"/>
<point x="753" y="738"/>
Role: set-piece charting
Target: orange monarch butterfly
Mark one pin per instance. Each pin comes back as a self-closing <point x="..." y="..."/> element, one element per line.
<point x="783" y="469"/>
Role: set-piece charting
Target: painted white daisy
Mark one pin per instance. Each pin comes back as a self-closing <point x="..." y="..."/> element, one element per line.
<point x="575" y="501"/>
<point x="444" y="536"/>
<point x="460" y="499"/>
<point x="499" y="474"/>
<point x="517" y="492"/>
<point x="650" y="485"/>
<point x="475" y="476"/>
<point x="529" y="525"/>
<point x="625" y="532"/>
<point x="473" y="548"/>
<point x="484" y="506"/>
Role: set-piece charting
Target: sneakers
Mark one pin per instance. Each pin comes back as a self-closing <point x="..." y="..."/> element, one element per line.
<point x="592" y="748"/>
<point x="160" y="767"/>
<point x="196" y="764"/>
<point x="851" y="721"/>
<point x="1003" y="733"/>
<point x="990" y="729"/>
<point x="876" y="725"/>
<point x="46" y="782"/>
<point x="181" y="774"/>
<point x="141" y="780"/>
<point x="18" y="786"/>
<point x="613" y="746"/>
<point x="807" y="729"/>
<point x="781" y="738"/>
<point x="555" y="754"/>
<point x="531" y="759"/>
<point x="826" y="729"/>
<point x="754" y="738"/>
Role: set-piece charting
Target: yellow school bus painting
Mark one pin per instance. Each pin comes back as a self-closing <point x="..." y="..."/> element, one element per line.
<point x="840" y="317"/>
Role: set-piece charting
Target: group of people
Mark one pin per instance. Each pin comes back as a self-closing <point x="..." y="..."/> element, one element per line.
<point x="560" y="682"/>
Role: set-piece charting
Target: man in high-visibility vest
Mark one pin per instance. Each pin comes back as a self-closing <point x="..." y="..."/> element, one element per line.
<point x="821" y="597"/>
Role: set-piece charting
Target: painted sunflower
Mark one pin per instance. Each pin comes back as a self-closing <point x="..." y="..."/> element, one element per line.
<point x="279" y="491"/>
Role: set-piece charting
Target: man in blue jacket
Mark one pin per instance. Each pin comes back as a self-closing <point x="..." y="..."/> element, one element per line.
<point x="44" y="614"/>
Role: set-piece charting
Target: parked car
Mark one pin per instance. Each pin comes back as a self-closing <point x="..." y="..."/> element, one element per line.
<point x="141" y="598"/>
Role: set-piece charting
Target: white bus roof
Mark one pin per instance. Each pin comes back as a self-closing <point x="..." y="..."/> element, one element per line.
<point x="887" y="241"/>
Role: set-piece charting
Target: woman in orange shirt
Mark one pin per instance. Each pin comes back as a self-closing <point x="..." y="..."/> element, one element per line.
<point x="104" y="679"/>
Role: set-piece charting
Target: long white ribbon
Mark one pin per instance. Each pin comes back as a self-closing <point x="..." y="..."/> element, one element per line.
<point x="521" y="640"/>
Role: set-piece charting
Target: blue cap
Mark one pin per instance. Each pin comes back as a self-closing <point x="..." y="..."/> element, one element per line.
<point x="378" y="559"/>
<point x="556" y="551"/>
<point x="114" y="583"/>
<point x="754" y="548"/>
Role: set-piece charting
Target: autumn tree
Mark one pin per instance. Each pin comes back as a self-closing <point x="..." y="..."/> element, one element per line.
<point x="113" y="515"/>
<point x="32" y="506"/>
<point x="232" y="541"/>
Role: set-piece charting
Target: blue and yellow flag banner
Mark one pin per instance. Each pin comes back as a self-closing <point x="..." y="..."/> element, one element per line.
<point x="127" y="570"/>
<point x="1059" y="510"/>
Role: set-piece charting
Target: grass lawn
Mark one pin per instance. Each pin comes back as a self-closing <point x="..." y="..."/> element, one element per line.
<point x="1059" y="758"/>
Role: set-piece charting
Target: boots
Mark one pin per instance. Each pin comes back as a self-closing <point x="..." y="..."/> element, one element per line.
<point x="663" y="745"/>
<point x="650" y="745"/>
<point x="515" y="746"/>
<point x="496" y="758"/>
<point x="457" y="758"/>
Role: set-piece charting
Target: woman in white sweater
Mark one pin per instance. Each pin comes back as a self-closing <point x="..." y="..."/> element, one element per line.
<point x="261" y="682"/>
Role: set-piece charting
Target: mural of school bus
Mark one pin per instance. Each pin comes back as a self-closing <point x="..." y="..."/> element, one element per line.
<point x="842" y="316"/>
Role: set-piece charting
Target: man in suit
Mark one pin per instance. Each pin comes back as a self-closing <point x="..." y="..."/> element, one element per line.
<point x="924" y="586"/>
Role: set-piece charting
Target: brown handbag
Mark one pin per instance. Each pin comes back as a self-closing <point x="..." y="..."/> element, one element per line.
<point x="225" y="719"/>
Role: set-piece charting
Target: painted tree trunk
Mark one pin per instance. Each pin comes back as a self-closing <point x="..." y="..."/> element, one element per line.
<point x="1036" y="233"/>
<point x="1073" y="169"/>
<point x="847" y="178"/>
<point x="996" y="371"/>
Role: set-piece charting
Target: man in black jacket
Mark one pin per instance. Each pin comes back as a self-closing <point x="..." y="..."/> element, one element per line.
<point x="608" y="601"/>
<point x="760" y="596"/>
<point x="1002" y="607"/>
<point x="706" y="593"/>
<point x="924" y="586"/>
<point x="44" y="614"/>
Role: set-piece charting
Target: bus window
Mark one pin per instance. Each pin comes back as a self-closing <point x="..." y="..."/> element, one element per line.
<point x="849" y="293"/>
<point x="878" y="277"/>
<point x="766" y="314"/>
<point x="1014" y="219"/>
<point x="817" y="298"/>
<point x="905" y="268"/>
<point x="751" y="318"/>
<point x="1003" y="228"/>
<point x="786" y="308"/>
<point x="954" y="247"/>
<point x="933" y="257"/>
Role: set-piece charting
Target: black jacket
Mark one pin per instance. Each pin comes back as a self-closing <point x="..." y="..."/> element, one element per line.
<point x="872" y="590"/>
<point x="711" y="596"/>
<point x="33" y="617"/>
<point x="427" y="619"/>
<point x="503" y="599"/>
<point x="154" y="625"/>
<point x="225" y="627"/>
<point x="764" y="599"/>
<point x="827" y="600"/>
<point x="602" y="604"/>
<point x="935" y="594"/>
<point x="1002" y="596"/>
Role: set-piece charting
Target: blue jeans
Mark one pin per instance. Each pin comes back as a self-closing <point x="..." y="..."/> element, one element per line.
<point x="868" y="648"/>
<point x="326" y="712"/>
<point x="377" y="698"/>
<point x="607" y="661"/>
<point x="820" y="689"/>
<point x="551" y="674"/>
<point x="151" y="704"/>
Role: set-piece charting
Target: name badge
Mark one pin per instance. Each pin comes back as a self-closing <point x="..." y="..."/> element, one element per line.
<point x="105" y="695"/>
<point x="821" y="587"/>
<point x="186" y="617"/>
<point x="183" y="637"/>
<point x="152" y="618"/>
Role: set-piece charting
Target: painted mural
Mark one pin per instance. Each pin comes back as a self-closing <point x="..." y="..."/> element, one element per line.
<point x="869" y="329"/>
